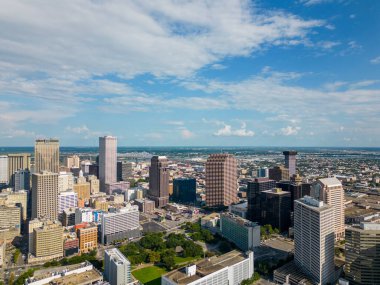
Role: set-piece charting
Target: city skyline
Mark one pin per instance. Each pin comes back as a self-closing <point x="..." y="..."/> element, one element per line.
<point x="279" y="73"/>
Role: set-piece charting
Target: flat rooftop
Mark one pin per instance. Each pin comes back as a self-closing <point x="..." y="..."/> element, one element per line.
<point x="87" y="277"/>
<point x="206" y="267"/>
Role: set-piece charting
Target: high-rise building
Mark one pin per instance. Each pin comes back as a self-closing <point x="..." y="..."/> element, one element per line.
<point x="67" y="200"/>
<point x="45" y="195"/>
<point x="85" y="167"/>
<point x="254" y="188"/>
<point x="124" y="223"/>
<point x="46" y="156"/>
<point x="19" y="199"/>
<point x="94" y="184"/>
<point x="17" y="161"/>
<point x="84" y="215"/>
<point x="117" y="268"/>
<point x="230" y="268"/>
<point x="262" y="172"/>
<point x="297" y="189"/>
<point x="124" y="170"/>
<point x="48" y="241"/>
<point x="72" y="161"/>
<point x="88" y="238"/>
<point x="83" y="190"/>
<point x="279" y="173"/>
<point x="362" y="250"/>
<point x="330" y="191"/>
<point x="159" y="181"/>
<point x="184" y="190"/>
<point x="22" y="180"/>
<point x="117" y="187"/>
<point x="10" y="219"/>
<point x="107" y="161"/>
<point x="314" y="239"/>
<point x="221" y="180"/>
<point x="65" y="181"/>
<point x="4" y="177"/>
<point x="275" y="209"/>
<point x="291" y="162"/>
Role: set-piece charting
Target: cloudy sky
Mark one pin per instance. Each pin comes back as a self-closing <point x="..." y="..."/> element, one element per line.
<point x="218" y="72"/>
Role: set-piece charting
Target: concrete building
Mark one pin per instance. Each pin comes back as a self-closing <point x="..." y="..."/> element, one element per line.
<point x="117" y="268"/>
<point x="68" y="217"/>
<point x="145" y="205"/>
<point x="291" y="162"/>
<point x="362" y="250"/>
<point x="65" y="181"/>
<point x="3" y="246"/>
<point x="45" y="195"/>
<point x="83" y="190"/>
<point x="117" y="187"/>
<point x="239" y="209"/>
<point x="67" y="200"/>
<point x="46" y="156"/>
<point x="84" y="215"/>
<point x="10" y="219"/>
<point x="85" y="167"/>
<point x="314" y="239"/>
<point x="254" y="188"/>
<point x="72" y="161"/>
<point x="330" y="191"/>
<point x="124" y="170"/>
<point x="262" y="172"/>
<point x="4" y="177"/>
<point x="94" y="184"/>
<point x="107" y="161"/>
<point x="21" y="180"/>
<point x="229" y="268"/>
<point x="88" y="238"/>
<point x="124" y="223"/>
<point x="19" y="199"/>
<point x="279" y="173"/>
<point x="184" y="190"/>
<point x="297" y="189"/>
<point x="221" y="180"/>
<point x="243" y="233"/>
<point x="17" y="161"/>
<point x="159" y="181"/>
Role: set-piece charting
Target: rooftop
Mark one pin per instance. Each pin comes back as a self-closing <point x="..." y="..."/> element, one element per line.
<point x="240" y="220"/>
<point x="331" y="181"/>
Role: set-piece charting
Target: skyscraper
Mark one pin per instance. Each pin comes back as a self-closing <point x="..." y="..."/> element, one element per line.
<point x="314" y="239"/>
<point x="124" y="170"/>
<point x="159" y="181"/>
<point x="184" y="190"/>
<point x="17" y="161"/>
<point x="4" y="177"/>
<point x="330" y="191"/>
<point x="279" y="173"/>
<point x="22" y="180"/>
<point x="254" y="188"/>
<point x="221" y="180"/>
<point x="46" y="156"/>
<point x="291" y="162"/>
<point x="45" y="195"/>
<point x="107" y="161"/>
<point x="72" y="161"/>
<point x="117" y="268"/>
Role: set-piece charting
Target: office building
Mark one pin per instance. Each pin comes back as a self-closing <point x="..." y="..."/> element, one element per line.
<point x="85" y="167"/>
<point x="117" y="268"/>
<point x="330" y="191"/>
<point x="124" y="223"/>
<point x="239" y="209"/>
<point x="17" y="161"/>
<point x="279" y="173"/>
<point x="297" y="189"/>
<point x="67" y="200"/>
<point x="159" y="181"/>
<point x="72" y="161"/>
<point x="46" y="156"/>
<point x="94" y="184"/>
<point x="145" y="205"/>
<point x="4" y="177"/>
<point x="22" y="180"/>
<point x="117" y="187"/>
<point x="88" y="238"/>
<point x="275" y="208"/>
<point x="19" y="199"/>
<point x="124" y="170"/>
<point x="254" y="188"/>
<point x="45" y="195"/>
<point x="107" y="161"/>
<point x="362" y="251"/>
<point x="230" y="268"/>
<point x="68" y="217"/>
<point x="243" y="233"/>
<point x="262" y="172"/>
<point x="291" y="162"/>
<point x="184" y="190"/>
<point x="314" y="239"/>
<point x="221" y="180"/>
<point x="10" y="220"/>
<point x="65" y="181"/>
<point x="83" y="190"/>
<point x="83" y="215"/>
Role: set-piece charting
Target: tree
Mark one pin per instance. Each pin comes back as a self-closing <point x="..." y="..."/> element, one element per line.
<point x="192" y="249"/>
<point x="152" y="241"/>
<point x="153" y="257"/>
<point x="168" y="261"/>
<point x="16" y="255"/>
<point x="197" y="236"/>
<point x="207" y="236"/>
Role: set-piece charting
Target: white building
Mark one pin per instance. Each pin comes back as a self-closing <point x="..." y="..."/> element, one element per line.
<point x="66" y="200"/>
<point x="117" y="268"/>
<point x="4" y="169"/>
<point x="227" y="269"/>
<point x="124" y="223"/>
<point x="107" y="161"/>
<point x="314" y="239"/>
<point x="83" y="215"/>
<point x="65" y="181"/>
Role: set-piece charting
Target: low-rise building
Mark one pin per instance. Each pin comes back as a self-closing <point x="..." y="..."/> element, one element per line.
<point x="88" y="238"/>
<point x="145" y="205"/>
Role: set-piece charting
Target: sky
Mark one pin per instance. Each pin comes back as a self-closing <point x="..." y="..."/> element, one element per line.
<point x="190" y="73"/>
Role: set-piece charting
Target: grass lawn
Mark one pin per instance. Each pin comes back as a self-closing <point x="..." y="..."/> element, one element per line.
<point x="149" y="275"/>
<point x="179" y="260"/>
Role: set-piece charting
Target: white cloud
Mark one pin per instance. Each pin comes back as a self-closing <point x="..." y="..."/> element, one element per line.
<point x="290" y="131"/>
<point x="186" y="134"/>
<point x="375" y="60"/>
<point x="84" y="131"/>
<point x="218" y="66"/>
<point x="174" y="123"/>
<point x="227" y="131"/>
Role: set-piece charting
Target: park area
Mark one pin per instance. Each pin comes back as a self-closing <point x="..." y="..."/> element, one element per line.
<point x="150" y="275"/>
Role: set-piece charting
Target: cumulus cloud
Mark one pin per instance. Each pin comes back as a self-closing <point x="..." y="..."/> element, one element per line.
<point x="375" y="60"/>
<point x="290" y="131"/>
<point x="227" y="131"/>
<point x="84" y="131"/>
<point x="186" y="134"/>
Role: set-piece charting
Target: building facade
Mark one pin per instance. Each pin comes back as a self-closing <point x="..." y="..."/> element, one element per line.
<point x="291" y="162"/>
<point x="4" y="176"/>
<point x="46" y="156"/>
<point x="254" y="188"/>
<point x="67" y="200"/>
<point x="48" y="241"/>
<point x="159" y="181"/>
<point x="88" y="238"/>
<point x="184" y="190"/>
<point x="17" y="161"/>
<point x="72" y="161"/>
<point x="21" y="179"/>
<point x="124" y="170"/>
<point x="107" y="161"/>
<point x="279" y="173"/>
<point x="117" y="268"/>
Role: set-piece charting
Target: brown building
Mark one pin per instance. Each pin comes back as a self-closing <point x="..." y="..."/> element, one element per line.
<point x="46" y="156"/>
<point x="48" y="240"/>
<point x="45" y="195"/>
<point x="88" y="238"/>
<point x="221" y="180"/>
<point x="17" y="161"/>
<point x="145" y="205"/>
<point x="83" y="190"/>
<point x="159" y="181"/>
<point x="279" y="173"/>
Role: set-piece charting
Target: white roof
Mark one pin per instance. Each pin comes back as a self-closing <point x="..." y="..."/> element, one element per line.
<point x="331" y="181"/>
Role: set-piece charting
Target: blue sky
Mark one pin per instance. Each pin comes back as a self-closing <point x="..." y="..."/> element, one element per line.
<point x="225" y="73"/>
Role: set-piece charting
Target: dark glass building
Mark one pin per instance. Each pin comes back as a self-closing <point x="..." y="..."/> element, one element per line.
<point x="184" y="190"/>
<point x="159" y="181"/>
<point x="124" y="170"/>
<point x="297" y="190"/>
<point x="254" y="188"/>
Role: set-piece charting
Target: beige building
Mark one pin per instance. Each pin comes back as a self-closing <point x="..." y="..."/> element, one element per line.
<point x="46" y="156"/>
<point x="101" y="204"/>
<point x="94" y="184"/>
<point x="330" y="191"/>
<point x="88" y="238"/>
<point x="279" y="173"/>
<point x="2" y="252"/>
<point x="33" y="224"/>
<point x="17" y="161"/>
<point x="48" y="241"/>
<point x="107" y="161"/>
<point x="83" y="190"/>
<point x="221" y="180"/>
<point x="20" y="198"/>
<point x="65" y="181"/>
<point x="314" y="239"/>
<point x="45" y="195"/>
<point x="72" y="161"/>
<point x="10" y="221"/>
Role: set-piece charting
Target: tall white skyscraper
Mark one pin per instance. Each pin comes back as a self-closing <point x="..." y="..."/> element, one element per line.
<point x="4" y="169"/>
<point x="107" y="161"/>
<point x="117" y="268"/>
<point x="314" y="239"/>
